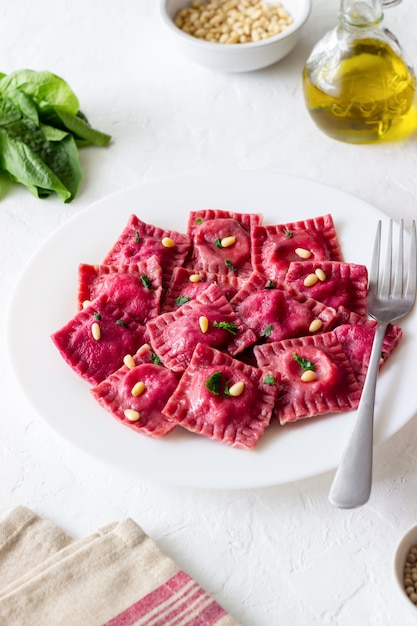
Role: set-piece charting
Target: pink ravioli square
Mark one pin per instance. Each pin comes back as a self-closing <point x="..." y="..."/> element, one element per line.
<point x="135" y="288"/>
<point x="336" y="284"/>
<point x="356" y="335"/>
<point x="209" y="228"/>
<point x="275" y="247"/>
<point x="334" y="388"/>
<point x="139" y="241"/>
<point x="186" y="284"/>
<point x="174" y="335"/>
<point x="276" y="312"/>
<point x="203" y="404"/>
<point x="95" y="358"/>
<point x="140" y="411"/>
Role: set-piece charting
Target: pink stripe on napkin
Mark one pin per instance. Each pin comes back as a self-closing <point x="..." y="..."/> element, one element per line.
<point x="178" y="602"/>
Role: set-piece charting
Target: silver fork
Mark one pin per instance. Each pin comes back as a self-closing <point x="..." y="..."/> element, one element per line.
<point x="390" y="296"/>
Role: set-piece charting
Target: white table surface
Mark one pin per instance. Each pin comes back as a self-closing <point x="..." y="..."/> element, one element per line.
<point x="277" y="555"/>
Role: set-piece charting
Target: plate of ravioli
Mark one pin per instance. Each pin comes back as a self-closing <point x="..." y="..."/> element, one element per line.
<point x="209" y="330"/>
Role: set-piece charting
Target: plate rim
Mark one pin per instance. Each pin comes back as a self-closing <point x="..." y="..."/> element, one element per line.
<point x="124" y="195"/>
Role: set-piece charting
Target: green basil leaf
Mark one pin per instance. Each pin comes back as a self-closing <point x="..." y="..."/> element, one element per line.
<point x="305" y="364"/>
<point x="24" y="105"/>
<point x="46" y="89"/>
<point x="42" y="166"/>
<point x="213" y="383"/>
<point x="231" y="327"/>
<point x="85" y="134"/>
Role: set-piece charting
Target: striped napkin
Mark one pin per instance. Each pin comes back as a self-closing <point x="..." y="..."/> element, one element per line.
<point x="115" y="577"/>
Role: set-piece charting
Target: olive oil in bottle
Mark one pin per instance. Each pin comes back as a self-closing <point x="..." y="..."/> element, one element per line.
<point x="356" y="83"/>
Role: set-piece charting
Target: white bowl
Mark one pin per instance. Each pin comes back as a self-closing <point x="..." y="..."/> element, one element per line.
<point x="408" y="540"/>
<point x="239" y="57"/>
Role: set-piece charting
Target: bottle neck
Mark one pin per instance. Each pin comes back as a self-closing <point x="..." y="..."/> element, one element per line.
<point x="361" y="13"/>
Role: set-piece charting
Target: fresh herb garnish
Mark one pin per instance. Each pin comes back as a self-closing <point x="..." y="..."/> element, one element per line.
<point x="287" y="233"/>
<point x="267" y="331"/>
<point x="122" y="323"/>
<point x="305" y="364"/>
<point x="218" y="242"/>
<point x="97" y="315"/>
<point x="270" y="285"/>
<point x="182" y="300"/>
<point x="229" y="264"/>
<point x="155" y="359"/>
<point x="269" y="380"/>
<point x="137" y="236"/>
<point x="41" y="129"/>
<point x="198" y="220"/>
<point x="229" y="326"/>
<point x="146" y="282"/>
<point x="213" y="383"/>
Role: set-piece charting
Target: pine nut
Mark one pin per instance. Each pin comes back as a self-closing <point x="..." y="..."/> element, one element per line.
<point x="138" y="388"/>
<point x="204" y="323"/>
<point x="129" y="361"/>
<point x="302" y="253"/>
<point x="315" y="325"/>
<point x="131" y="415"/>
<point x="86" y="303"/>
<point x="194" y="278"/>
<point x="237" y="389"/>
<point x="320" y="274"/>
<point x="224" y="21"/>
<point x="95" y="331"/>
<point x="310" y="280"/>
<point x="308" y="376"/>
<point x="167" y="242"/>
<point x="226" y="242"/>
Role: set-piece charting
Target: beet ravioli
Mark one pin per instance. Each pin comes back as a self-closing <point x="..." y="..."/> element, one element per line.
<point x="209" y="319"/>
<point x="222" y="241"/>
<point x="223" y="399"/>
<point x="95" y="341"/>
<point x="137" y="392"/>
<point x="275" y="247"/>
<point x="221" y="328"/>
<point x="316" y="376"/>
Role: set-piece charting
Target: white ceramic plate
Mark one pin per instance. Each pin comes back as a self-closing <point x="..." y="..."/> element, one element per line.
<point x="45" y="299"/>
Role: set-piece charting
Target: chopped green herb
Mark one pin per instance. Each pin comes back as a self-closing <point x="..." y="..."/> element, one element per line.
<point x="267" y="331"/>
<point x="182" y="300"/>
<point x="287" y="233"/>
<point x="305" y="364"/>
<point x="218" y="242"/>
<point x="198" y="220"/>
<point x="269" y="380"/>
<point x="155" y="359"/>
<point x="137" y="237"/>
<point x="146" y="282"/>
<point x="270" y="285"/>
<point x="229" y="264"/>
<point x="226" y="391"/>
<point x="122" y="323"/>
<point x="213" y="383"/>
<point x="229" y="326"/>
<point x="97" y="315"/>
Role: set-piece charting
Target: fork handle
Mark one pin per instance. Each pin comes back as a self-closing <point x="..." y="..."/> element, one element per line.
<point x="351" y="485"/>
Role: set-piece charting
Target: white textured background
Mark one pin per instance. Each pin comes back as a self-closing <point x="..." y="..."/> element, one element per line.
<point x="274" y="556"/>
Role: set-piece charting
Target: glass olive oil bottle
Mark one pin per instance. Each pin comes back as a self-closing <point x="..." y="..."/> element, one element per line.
<point x="356" y="81"/>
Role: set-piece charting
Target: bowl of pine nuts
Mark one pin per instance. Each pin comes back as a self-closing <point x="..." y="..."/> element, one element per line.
<point x="235" y="35"/>
<point x="405" y="568"/>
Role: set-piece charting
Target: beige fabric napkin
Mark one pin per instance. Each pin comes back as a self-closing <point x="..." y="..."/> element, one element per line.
<point x="115" y="577"/>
